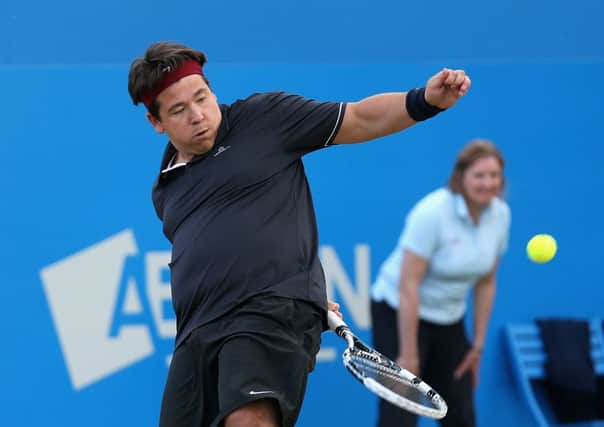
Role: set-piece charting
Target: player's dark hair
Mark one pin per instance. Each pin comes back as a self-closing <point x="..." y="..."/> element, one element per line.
<point x="146" y="72"/>
<point x="474" y="150"/>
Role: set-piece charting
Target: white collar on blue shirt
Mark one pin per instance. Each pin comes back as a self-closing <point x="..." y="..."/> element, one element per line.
<point x="461" y="208"/>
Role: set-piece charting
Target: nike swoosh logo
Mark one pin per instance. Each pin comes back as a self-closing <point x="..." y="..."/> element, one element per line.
<point x="260" y="392"/>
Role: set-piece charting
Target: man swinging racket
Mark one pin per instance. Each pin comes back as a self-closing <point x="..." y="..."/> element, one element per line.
<point x="247" y="285"/>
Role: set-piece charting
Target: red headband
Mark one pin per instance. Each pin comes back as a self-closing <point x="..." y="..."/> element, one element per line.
<point x="188" y="67"/>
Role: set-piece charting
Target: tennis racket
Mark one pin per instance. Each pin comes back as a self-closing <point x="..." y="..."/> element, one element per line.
<point x="384" y="377"/>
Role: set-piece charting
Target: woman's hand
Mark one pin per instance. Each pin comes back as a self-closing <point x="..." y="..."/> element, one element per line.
<point x="471" y="362"/>
<point x="409" y="363"/>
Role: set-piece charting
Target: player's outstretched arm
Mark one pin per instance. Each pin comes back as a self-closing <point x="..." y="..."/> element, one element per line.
<point x="387" y="113"/>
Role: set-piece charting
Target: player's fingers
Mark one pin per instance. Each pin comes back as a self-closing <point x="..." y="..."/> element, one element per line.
<point x="452" y="77"/>
<point x="335" y="307"/>
<point x="465" y="85"/>
<point x="460" y="76"/>
<point x="462" y="89"/>
<point x="441" y="77"/>
<point x="455" y="80"/>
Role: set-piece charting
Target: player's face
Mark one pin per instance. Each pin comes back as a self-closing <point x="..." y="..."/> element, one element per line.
<point x="482" y="181"/>
<point x="189" y="114"/>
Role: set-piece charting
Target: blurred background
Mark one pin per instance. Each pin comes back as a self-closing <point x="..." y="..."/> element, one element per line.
<point x="86" y="320"/>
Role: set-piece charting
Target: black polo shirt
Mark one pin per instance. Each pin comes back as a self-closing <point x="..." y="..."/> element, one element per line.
<point x="241" y="217"/>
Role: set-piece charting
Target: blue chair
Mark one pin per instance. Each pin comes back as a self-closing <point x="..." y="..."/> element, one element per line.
<point x="528" y="362"/>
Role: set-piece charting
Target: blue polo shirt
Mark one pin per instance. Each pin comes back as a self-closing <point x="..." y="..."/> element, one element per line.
<point x="440" y="230"/>
<point x="240" y="217"/>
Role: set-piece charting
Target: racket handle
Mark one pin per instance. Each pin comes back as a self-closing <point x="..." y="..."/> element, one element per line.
<point x="340" y="327"/>
<point x="334" y="321"/>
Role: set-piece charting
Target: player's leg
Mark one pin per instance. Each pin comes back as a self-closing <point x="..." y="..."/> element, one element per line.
<point x="265" y="361"/>
<point x="385" y="340"/>
<point x="259" y="413"/>
<point x="189" y="398"/>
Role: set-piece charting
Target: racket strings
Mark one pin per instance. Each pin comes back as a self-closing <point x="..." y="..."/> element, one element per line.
<point x="375" y="361"/>
<point x="388" y="375"/>
<point x="385" y="378"/>
<point x="376" y="365"/>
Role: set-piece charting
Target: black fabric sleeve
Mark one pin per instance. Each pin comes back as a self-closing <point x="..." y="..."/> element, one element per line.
<point x="295" y="124"/>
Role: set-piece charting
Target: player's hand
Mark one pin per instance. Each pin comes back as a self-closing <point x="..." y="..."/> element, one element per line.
<point x="471" y="362"/>
<point x="445" y="88"/>
<point x="335" y="307"/>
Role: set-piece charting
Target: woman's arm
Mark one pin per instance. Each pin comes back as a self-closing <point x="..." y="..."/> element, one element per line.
<point x="413" y="269"/>
<point x="484" y="294"/>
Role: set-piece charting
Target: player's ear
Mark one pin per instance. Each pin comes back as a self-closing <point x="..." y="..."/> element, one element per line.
<point x="159" y="128"/>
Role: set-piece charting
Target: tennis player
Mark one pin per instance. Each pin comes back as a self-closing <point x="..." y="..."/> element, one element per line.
<point x="247" y="285"/>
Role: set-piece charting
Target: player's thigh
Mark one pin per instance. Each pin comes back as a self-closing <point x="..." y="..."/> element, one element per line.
<point x="272" y="359"/>
<point x="259" y="413"/>
<point x="190" y="395"/>
<point x="184" y="402"/>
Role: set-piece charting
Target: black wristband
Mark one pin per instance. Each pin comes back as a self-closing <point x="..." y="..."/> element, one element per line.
<point x="417" y="106"/>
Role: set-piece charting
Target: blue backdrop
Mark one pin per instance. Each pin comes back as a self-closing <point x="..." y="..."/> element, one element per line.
<point x="86" y="315"/>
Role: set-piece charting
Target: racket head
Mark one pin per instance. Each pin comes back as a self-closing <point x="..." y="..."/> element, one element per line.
<point x="393" y="383"/>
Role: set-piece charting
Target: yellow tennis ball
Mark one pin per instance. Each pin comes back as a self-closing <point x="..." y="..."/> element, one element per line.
<point x="541" y="248"/>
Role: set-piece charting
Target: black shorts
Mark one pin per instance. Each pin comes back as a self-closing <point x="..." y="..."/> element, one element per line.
<point x="265" y="348"/>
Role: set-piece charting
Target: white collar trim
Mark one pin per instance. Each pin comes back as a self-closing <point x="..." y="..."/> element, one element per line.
<point x="172" y="166"/>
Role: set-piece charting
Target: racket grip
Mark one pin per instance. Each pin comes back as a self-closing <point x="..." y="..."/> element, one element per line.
<point x="334" y="321"/>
